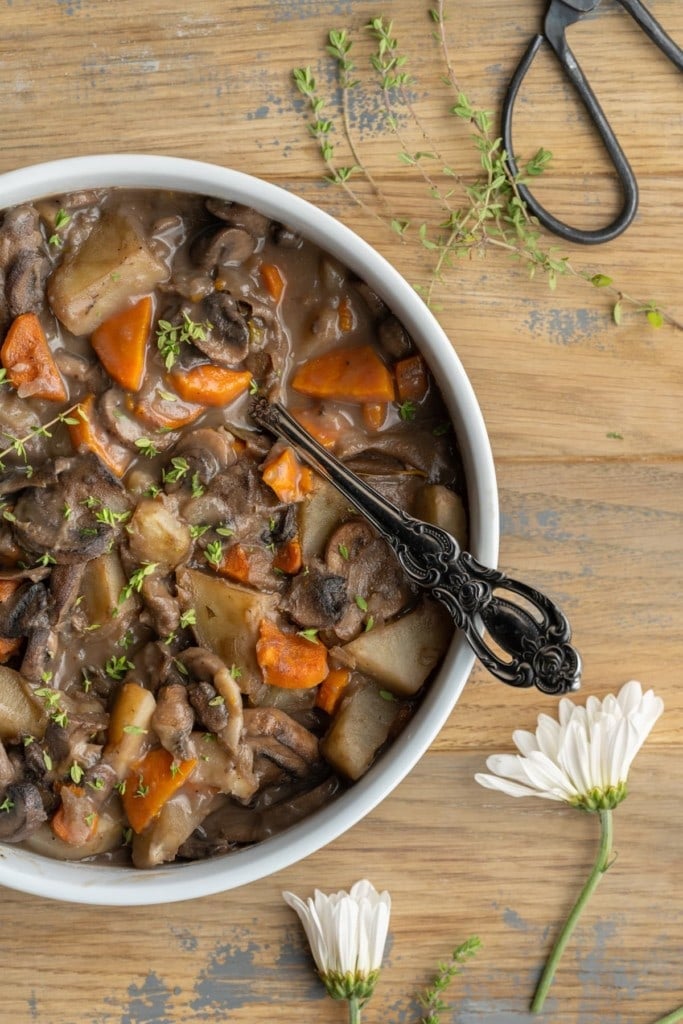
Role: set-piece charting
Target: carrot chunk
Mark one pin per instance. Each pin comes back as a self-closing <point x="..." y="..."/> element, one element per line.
<point x="345" y="317"/>
<point x="289" y="558"/>
<point x="121" y="343"/>
<point x="86" y="433"/>
<point x="151" y="784"/>
<point x="347" y="375"/>
<point x="412" y="382"/>
<point x="75" y="820"/>
<point x="287" y="477"/>
<point x="272" y="278"/>
<point x="289" y="660"/>
<point x="235" y="563"/>
<point x="26" y="356"/>
<point x="374" y="414"/>
<point x="211" y="385"/>
<point x="321" y="427"/>
<point x="331" y="689"/>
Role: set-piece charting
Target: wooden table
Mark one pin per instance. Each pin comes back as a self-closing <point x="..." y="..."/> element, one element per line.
<point x="585" y="424"/>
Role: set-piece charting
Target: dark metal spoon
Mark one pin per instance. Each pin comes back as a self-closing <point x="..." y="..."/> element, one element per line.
<point x="534" y="634"/>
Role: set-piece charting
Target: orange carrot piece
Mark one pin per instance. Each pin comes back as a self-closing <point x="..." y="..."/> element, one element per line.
<point x="26" y="356"/>
<point x="151" y="784"/>
<point x="7" y="588"/>
<point x="210" y="384"/>
<point x="121" y="343"/>
<point x="289" y="660"/>
<point x="347" y="375"/>
<point x="374" y="414"/>
<point x="273" y="280"/>
<point x="322" y="427"/>
<point x="345" y="317"/>
<point x="235" y="563"/>
<point x="75" y="820"/>
<point x="412" y="382"/>
<point x="8" y="645"/>
<point x="287" y="477"/>
<point x="289" y="558"/>
<point x="87" y="434"/>
<point x="331" y="689"/>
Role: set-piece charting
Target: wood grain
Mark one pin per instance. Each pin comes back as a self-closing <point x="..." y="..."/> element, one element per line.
<point x="595" y="519"/>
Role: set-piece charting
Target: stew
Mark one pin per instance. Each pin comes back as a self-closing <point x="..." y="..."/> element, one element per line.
<point x="200" y="643"/>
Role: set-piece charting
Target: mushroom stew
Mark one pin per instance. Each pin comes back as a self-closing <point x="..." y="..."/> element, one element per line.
<point x="200" y="642"/>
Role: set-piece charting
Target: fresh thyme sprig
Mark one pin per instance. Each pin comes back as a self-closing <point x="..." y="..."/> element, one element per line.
<point x="431" y="999"/>
<point x="18" y="444"/>
<point x="473" y="216"/>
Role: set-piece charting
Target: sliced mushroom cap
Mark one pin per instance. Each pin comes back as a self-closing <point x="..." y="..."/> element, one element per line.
<point x="125" y="428"/>
<point x="24" y="265"/>
<point x="222" y="247"/>
<point x="227" y="341"/>
<point x="205" y="665"/>
<point x="318" y="599"/>
<point x="207" y="453"/>
<point x="41" y="526"/>
<point x="161" y="605"/>
<point x="241" y="216"/>
<point x="273" y="723"/>
<point x="375" y="581"/>
<point x="208" y="705"/>
<point x="173" y="720"/>
<point x="24" y="813"/>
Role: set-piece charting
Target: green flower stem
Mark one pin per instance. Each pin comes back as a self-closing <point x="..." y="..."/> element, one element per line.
<point x="671" y="1018"/>
<point x="599" y="868"/>
<point x="354" y="1010"/>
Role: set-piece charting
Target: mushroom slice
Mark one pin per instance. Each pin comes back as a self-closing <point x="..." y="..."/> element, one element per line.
<point x="203" y="664"/>
<point x="207" y="452"/>
<point x="23" y="814"/>
<point x="273" y="724"/>
<point x="225" y="246"/>
<point x="375" y="582"/>
<point x="82" y="486"/>
<point x="227" y="341"/>
<point x="173" y="720"/>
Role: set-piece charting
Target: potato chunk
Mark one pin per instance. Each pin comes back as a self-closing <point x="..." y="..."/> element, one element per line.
<point x="402" y="653"/>
<point x="102" y="586"/>
<point x="155" y="534"/>
<point x="319" y="513"/>
<point x="93" y="282"/>
<point x="228" y="617"/>
<point x="442" y="507"/>
<point x="360" y="727"/>
<point x="21" y="714"/>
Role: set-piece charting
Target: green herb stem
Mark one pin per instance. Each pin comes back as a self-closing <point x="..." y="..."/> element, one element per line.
<point x="354" y="1010"/>
<point x="671" y="1018"/>
<point x="601" y="865"/>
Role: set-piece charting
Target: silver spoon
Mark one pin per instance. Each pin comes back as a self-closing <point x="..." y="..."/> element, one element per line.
<point x="537" y="645"/>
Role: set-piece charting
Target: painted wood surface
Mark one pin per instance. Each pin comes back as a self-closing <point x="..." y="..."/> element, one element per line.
<point x="594" y="518"/>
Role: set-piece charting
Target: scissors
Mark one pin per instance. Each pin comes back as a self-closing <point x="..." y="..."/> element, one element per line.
<point x="559" y="16"/>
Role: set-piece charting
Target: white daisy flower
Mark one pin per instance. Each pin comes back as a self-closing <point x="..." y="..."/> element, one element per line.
<point x="584" y="758"/>
<point x="347" y="933"/>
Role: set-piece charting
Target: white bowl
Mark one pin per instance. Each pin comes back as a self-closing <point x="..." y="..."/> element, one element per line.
<point x="104" y="885"/>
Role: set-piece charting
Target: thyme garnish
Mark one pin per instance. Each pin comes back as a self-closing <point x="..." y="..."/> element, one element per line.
<point x="471" y="217"/>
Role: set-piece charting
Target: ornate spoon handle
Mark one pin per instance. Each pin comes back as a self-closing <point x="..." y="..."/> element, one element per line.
<point x="531" y="631"/>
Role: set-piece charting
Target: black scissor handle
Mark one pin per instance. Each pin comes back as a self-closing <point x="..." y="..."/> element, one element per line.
<point x="621" y="165"/>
